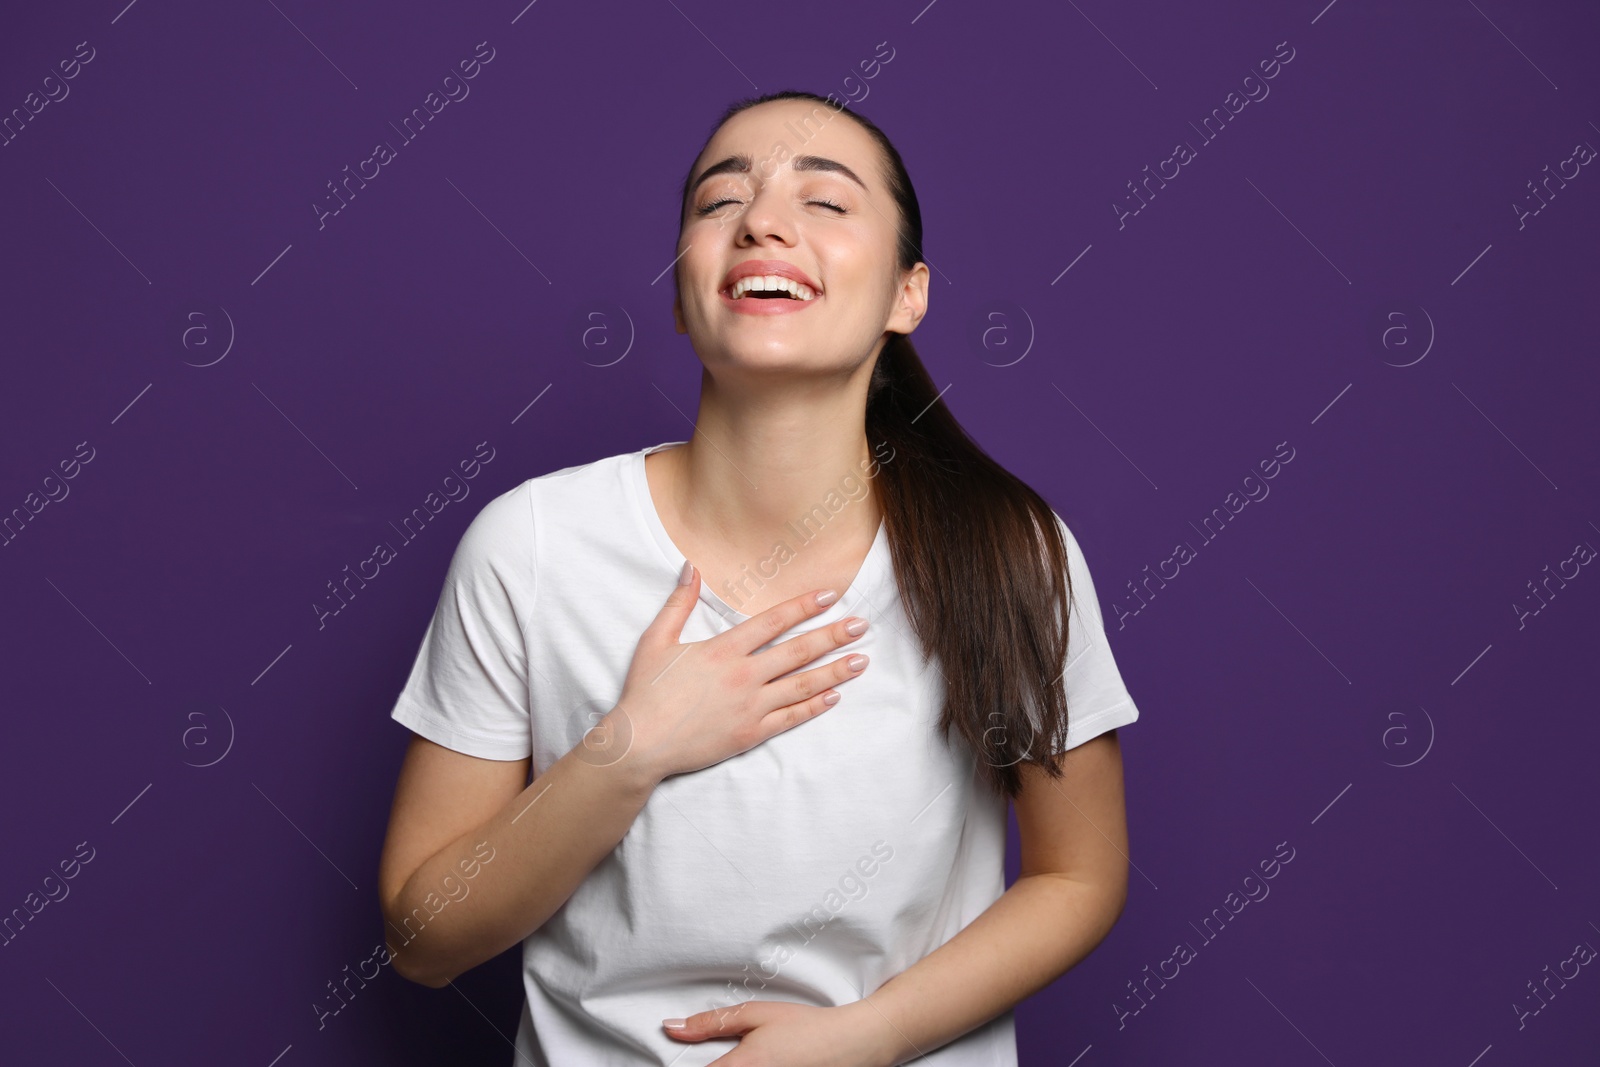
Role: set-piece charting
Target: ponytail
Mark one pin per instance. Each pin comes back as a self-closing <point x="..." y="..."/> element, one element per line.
<point x="981" y="566"/>
<point x="979" y="557"/>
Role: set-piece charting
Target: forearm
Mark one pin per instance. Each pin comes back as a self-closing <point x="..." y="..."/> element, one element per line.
<point x="1038" y="929"/>
<point x="541" y="846"/>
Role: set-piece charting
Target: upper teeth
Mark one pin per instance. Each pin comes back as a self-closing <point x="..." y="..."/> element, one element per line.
<point x="771" y="283"/>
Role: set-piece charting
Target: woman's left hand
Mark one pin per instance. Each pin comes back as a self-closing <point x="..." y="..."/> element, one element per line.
<point x="775" y="1033"/>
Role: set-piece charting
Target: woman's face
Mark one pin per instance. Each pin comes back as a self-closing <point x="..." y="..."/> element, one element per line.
<point x="792" y="189"/>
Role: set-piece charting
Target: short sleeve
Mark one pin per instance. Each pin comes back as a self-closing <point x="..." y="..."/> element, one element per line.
<point x="468" y="687"/>
<point x="1097" y="699"/>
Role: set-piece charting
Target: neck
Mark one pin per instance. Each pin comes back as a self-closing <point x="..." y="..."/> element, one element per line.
<point x="762" y="459"/>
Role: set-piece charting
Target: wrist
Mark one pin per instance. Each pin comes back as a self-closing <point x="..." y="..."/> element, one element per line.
<point x="880" y="1043"/>
<point x="610" y="745"/>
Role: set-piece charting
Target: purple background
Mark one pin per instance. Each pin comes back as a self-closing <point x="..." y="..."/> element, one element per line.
<point x="171" y="700"/>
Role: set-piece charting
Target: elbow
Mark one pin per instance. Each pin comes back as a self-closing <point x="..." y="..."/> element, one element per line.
<point x="1118" y="902"/>
<point x="412" y="974"/>
<point x="1113" y="898"/>
<point x="1119" y="893"/>
<point x="408" y="957"/>
<point x="411" y="966"/>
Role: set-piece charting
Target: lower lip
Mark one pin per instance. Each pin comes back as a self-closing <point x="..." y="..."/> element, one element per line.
<point x="757" y="305"/>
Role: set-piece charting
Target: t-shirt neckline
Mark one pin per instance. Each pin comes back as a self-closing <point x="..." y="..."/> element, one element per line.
<point x="865" y="578"/>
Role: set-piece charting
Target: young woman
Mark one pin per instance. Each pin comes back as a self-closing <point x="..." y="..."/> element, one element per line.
<point x="767" y="815"/>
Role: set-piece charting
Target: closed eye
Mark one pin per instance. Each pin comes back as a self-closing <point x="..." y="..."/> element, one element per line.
<point x="706" y="209"/>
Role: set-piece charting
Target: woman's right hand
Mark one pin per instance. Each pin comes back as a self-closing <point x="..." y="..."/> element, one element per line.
<point x="687" y="706"/>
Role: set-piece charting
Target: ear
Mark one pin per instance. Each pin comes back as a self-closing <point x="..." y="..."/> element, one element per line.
<point x="911" y="302"/>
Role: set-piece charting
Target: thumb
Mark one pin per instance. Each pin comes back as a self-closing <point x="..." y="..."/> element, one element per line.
<point x="718" y="1022"/>
<point x="669" y="621"/>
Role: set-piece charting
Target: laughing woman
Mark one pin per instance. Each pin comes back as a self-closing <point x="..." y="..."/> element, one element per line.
<point x="723" y="731"/>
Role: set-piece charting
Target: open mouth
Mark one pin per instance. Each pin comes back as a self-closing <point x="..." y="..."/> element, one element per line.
<point x="770" y="287"/>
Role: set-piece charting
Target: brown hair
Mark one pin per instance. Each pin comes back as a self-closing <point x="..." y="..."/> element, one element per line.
<point x="979" y="557"/>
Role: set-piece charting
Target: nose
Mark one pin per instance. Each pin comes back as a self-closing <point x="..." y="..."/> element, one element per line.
<point x="765" y="219"/>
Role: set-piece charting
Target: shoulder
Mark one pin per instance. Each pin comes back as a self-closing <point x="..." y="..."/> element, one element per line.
<point x="1069" y="541"/>
<point x="503" y="522"/>
<point x="560" y="508"/>
<point x="1081" y="584"/>
<point x="509" y="518"/>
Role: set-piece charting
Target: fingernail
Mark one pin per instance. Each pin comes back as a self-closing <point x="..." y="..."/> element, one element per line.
<point x="673" y="1024"/>
<point x="827" y="596"/>
<point x="856" y="627"/>
<point x="687" y="574"/>
<point x="831" y="699"/>
<point x="855" y="663"/>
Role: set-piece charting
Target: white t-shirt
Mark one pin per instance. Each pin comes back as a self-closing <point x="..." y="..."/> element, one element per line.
<point x="811" y="868"/>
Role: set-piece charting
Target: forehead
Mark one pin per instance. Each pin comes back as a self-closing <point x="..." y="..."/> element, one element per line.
<point x="777" y="131"/>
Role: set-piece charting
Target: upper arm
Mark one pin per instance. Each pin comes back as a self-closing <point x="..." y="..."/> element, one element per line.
<point x="1076" y="825"/>
<point x="467" y="697"/>
<point x="441" y="795"/>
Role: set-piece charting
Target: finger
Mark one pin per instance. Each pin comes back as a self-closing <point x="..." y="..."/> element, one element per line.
<point x="776" y="621"/>
<point x="719" y="1022"/>
<point x="791" y="655"/>
<point x="669" y="621"/>
<point x="806" y="686"/>
<point x="791" y="715"/>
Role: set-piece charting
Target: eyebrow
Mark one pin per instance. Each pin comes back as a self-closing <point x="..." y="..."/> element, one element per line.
<point x="741" y="164"/>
